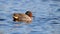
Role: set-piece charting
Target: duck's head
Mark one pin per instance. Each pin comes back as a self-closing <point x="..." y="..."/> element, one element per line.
<point x="29" y="13"/>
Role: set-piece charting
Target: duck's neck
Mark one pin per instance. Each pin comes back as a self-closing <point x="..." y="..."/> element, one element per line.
<point x="30" y="15"/>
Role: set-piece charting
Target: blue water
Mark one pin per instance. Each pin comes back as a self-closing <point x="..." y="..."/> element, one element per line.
<point x="46" y="18"/>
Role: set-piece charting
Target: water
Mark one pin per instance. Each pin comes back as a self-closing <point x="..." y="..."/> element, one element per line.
<point x="46" y="18"/>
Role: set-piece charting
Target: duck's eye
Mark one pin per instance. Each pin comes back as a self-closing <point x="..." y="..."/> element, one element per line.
<point x="27" y="13"/>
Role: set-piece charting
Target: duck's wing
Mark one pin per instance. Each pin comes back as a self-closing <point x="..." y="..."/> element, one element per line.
<point x="24" y="17"/>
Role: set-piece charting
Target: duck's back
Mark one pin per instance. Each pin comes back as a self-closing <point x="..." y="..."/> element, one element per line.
<point x="24" y="17"/>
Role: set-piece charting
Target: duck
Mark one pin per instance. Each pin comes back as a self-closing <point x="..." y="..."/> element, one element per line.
<point x="26" y="17"/>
